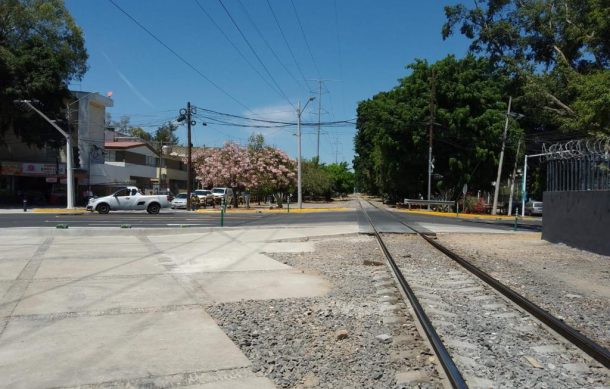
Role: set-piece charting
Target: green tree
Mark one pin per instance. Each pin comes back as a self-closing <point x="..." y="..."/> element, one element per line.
<point x="557" y="53"/>
<point x="392" y="138"/>
<point x="343" y="178"/>
<point x="41" y="51"/>
<point x="317" y="182"/>
<point x="166" y="134"/>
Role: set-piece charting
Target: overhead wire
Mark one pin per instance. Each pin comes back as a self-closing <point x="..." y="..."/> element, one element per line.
<point x="279" y="89"/>
<point x="242" y="55"/>
<point x="279" y="26"/>
<point x="267" y="44"/>
<point x="182" y="59"/>
<point x="296" y="14"/>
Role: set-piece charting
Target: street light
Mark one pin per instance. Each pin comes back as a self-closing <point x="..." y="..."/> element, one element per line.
<point x="69" y="172"/>
<point x="299" y="189"/>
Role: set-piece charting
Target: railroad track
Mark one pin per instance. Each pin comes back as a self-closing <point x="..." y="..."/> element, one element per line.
<point x="480" y="338"/>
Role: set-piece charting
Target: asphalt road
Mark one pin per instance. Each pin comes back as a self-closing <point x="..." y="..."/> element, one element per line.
<point x="180" y="219"/>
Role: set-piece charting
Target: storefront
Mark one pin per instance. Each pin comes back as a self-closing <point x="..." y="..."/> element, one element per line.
<point x="39" y="183"/>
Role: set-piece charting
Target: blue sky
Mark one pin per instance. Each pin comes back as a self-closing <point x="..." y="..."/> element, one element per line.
<point x="360" y="47"/>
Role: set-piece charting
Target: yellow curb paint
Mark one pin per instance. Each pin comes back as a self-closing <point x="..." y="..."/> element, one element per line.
<point x="280" y="210"/>
<point x="57" y="210"/>
<point x="461" y="215"/>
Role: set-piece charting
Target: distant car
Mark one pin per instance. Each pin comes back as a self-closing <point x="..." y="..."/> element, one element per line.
<point x="220" y="193"/>
<point x="179" y="202"/>
<point x="533" y="208"/>
<point x="205" y="196"/>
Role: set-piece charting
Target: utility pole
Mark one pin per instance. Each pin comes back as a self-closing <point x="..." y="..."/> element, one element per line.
<point x="512" y="180"/>
<point x="299" y="182"/>
<point x="319" y="113"/>
<point x="431" y="131"/>
<point x="494" y="208"/>
<point x="186" y="115"/>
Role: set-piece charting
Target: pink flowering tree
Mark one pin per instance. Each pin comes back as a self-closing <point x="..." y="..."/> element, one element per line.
<point x="274" y="172"/>
<point x="259" y="168"/>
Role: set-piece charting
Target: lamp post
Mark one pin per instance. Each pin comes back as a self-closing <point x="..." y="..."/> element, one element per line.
<point x="299" y="188"/>
<point x="69" y="172"/>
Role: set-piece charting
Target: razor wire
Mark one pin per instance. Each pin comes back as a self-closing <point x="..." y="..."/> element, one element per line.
<point x="578" y="165"/>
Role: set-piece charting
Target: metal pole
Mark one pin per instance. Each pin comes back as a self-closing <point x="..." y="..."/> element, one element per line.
<point x="189" y="158"/>
<point x="69" y="173"/>
<point x="299" y="189"/>
<point x="494" y="209"/>
<point x="523" y="193"/>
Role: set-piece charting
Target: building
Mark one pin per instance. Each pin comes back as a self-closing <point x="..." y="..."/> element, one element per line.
<point x="38" y="174"/>
<point x="132" y="161"/>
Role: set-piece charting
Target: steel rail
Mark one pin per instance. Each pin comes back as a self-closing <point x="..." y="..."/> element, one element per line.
<point x="589" y="346"/>
<point x="451" y="370"/>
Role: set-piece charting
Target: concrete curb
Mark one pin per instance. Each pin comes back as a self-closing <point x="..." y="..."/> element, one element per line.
<point x="463" y="215"/>
<point x="280" y="210"/>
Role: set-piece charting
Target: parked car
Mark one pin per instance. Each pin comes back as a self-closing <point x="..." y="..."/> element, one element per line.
<point x="128" y="198"/>
<point x="179" y="202"/>
<point x="533" y="208"/>
<point x="205" y="196"/>
<point x="220" y="193"/>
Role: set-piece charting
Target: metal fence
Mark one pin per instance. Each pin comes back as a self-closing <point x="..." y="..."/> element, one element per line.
<point x="578" y="165"/>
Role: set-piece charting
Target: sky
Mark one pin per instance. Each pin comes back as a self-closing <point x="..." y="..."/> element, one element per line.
<point x="256" y="59"/>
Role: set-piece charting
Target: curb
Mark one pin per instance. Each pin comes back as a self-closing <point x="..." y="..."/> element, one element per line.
<point x="59" y="210"/>
<point x="464" y="215"/>
<point x="276" y="210"/>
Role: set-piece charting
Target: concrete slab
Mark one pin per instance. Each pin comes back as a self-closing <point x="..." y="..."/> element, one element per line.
<point x="55" y="296"/>
<point x="235" y="286"/>
<point x="84" y="266"/>
<point x="218" y="262"/>
<point x="10" y="252"/>
<point x="88" y="350"/>
<point x="10" y="269"/>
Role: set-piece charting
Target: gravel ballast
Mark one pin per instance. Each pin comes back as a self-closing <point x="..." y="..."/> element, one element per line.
<point x="359" y="335"/>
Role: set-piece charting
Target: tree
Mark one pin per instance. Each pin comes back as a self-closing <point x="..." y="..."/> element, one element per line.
<point x="343" y="178"/>
<point x="259" y="168"/>
<point x="555" y="51"/>
<point x="392" y="138"/>
<point x="41" y="51"/>
<point x="166" y="134"/>
<point x="316" y="180"/>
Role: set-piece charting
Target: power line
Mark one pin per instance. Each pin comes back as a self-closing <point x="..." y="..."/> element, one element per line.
<point x="305" y="38"/>
<point x="279" y="89"/>
<point x="350" y="122"/>
<point x="268" y="45"/>
<point x="234" y="45"/>
<point x="277" y="22"/>
<point x="187" y="63"/>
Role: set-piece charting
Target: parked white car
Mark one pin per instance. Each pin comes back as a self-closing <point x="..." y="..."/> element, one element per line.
<point x="533" y="208"/>
<point x="205" y="196"/>
<point x="179" y="202"/>
<point x="220" y="193"/>
<point x="128" y="199"/>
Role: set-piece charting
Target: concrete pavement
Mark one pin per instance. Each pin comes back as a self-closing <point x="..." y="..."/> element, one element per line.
<point x="127" y="308"/>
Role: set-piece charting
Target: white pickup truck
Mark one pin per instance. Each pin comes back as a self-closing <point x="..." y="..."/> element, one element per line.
<point x="128" y="198"/>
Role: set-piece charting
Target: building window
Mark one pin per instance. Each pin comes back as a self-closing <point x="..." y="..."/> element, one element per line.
<point x="110" y="156"/>
<point x="151" y="161"/>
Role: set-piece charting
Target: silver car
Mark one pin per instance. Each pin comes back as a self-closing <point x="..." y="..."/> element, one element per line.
<point x="533" y="208"/>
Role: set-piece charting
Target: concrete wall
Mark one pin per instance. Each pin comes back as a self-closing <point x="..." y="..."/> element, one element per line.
<point x="580" y="219"/>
